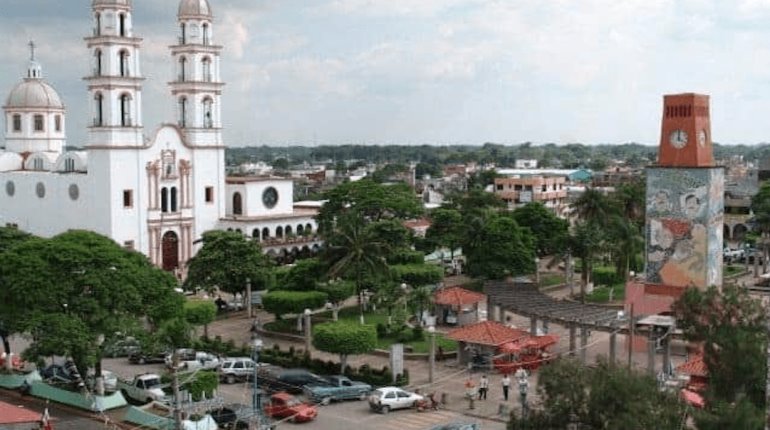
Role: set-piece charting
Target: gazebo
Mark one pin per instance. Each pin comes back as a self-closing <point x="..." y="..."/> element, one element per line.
<point x="457" y="306"/>
<point x="483" y="339"/>
<point x="696" y="369"/>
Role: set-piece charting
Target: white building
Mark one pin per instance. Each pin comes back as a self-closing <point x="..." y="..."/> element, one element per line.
<point x="155" y="193"/>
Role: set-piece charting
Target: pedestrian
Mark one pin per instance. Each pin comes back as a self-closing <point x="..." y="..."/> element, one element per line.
<point x="483" y="387"/>
<point x="506" y="386"/>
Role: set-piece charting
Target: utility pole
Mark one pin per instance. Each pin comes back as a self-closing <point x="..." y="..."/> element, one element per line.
<point x="631" y="337"/>
<point x="175" y="387"/>
<point x="248" y="297"/>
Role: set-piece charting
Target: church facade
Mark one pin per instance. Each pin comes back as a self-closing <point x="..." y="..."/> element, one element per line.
<point x="157" y="191"/>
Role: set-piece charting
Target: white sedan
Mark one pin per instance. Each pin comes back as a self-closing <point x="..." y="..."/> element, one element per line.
<point x="386" y="399"/>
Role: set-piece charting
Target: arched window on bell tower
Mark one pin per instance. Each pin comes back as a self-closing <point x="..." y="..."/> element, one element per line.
<point x="183" y="34"/>
<point x="99" y="110"/>
<point x="123" y="63"/>
<point x="98" y="62"/>
<point x="98" y="24"/>
<point x="125" y="110"/>
<point x="208" y="116"/>
<point x="182" y="69"/>
<point x="206" y="69"/>
<point x="183" y="111"/>
<point x="122" y="25"/>
<point x="205" y="31"/>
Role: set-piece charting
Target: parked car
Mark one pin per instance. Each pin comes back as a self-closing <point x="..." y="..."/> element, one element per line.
<point x="283" y="405"/>
<point x="233" y="369"/>
<point x="143" y="388"/>
<point x="182" y="355"/>
<point x="290" y="380"/>
<point x="202" y="360"/>
<point x="386" y="399"/>
<point x="140" y="357"/>
<point x="338" y="387"/>
<point x="121" y="347"/>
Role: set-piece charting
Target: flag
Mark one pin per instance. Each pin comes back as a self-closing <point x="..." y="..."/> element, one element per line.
<point x="45" y="420"/>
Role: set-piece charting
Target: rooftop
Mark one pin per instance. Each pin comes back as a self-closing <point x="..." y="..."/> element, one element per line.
<point x="490" y="333"/>
<point x="457" y="296"/>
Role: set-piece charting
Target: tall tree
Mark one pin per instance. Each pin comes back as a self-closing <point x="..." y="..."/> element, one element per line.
<point x="760" y="206"/>
<point x="584" y="243"/>
<point x="228" y="261"/>
<point x="344" y="339"/>
<point x="90" y="285"/>
<point x="446" y="229"/>
<point x="502" y="249"/>
<point x="8" y="325"/>
<point x="353" y="252"/>
<point x="549" y="230"/>
<point x="592" y="206"/>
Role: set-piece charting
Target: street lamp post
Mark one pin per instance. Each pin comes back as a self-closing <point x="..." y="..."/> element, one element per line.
<point x="256" y="407"/>
<point x="432" y="356"/>
<point x="537" y="271"/>
<point x="308" y="314"/>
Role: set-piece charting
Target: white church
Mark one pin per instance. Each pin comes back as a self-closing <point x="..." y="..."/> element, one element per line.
<point x="154" y="192"/>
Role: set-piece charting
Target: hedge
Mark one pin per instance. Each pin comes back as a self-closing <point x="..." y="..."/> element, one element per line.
<point x="292" y="302"/>
<point x="417" y="274"/>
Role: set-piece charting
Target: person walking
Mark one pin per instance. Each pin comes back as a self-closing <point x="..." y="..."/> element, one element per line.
<point x="483" y="387"/>
<point x="506" y="386"/>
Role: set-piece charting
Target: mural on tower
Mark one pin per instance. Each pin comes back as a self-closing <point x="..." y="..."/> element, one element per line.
<point x="685" y="211"/>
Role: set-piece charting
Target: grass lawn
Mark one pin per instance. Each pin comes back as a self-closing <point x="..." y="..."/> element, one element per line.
<point x="602" y="294"/>
<point x="380" y="316"/>
<point x="733" y="269"/>
<point x="548" y="279"/>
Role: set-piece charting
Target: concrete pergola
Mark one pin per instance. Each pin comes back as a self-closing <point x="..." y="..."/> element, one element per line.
<point x="524" y="298"/>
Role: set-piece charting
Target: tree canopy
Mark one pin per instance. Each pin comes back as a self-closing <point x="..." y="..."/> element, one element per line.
<point x="228" y="261"/>
<point x="344" y="339"/>
<point x="550" y="231"/>
<point x="500" y="248"/>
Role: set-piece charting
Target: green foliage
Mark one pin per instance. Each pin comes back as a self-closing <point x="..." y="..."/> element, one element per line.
<point x="602" y="397"/>
<point x="416" y="274"/>
<point x="731" y="326"/>
<point x="405" y="256"/>
<point x="344" y="338"/>
<point x="85" y="277"/>
<point x="203" y="382"/>
<point x="171" y="334"/>
<point x="446" y="228"/>
<point x="281" y="303"/>
<point x="227" y="260"/>
<point x="500" y="248"/>
<point x="606" y="276"/>
<point x="303" y="275"/>
<point x="602" y="294"/>
<point x="549" y="230"/>
<point x="390" y="232"/>
<point x="337" y="291"/>
<point x="200" y="312"/>
<point x="741" y="415"/>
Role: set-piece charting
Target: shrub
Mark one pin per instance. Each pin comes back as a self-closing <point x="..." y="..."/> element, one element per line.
<point x="606" y="276"/>
<point x="280" y="303"/>
<point x="418" y="333"/>
<point x="382" y="331"/>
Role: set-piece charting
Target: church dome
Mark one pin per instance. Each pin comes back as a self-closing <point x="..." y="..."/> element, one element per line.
<point x="33" y="93"/>
<point x="194" y="8"/>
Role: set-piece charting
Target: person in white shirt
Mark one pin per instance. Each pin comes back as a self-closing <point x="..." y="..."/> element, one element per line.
<point x="483" y="387"/>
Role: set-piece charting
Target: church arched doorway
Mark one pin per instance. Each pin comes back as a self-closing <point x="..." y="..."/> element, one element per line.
<point x="170" y="253"/>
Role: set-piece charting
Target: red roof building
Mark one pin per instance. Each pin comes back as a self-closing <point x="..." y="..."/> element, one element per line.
<point x="487" y="333"/>
<point x="456" y="305"/>
<point x="696" y="368"/>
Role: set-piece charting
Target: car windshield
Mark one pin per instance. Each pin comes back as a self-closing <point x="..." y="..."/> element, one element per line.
<point x="293" y="402"/>
<point x="378" y="393"/>
<point x="151" y="382"/>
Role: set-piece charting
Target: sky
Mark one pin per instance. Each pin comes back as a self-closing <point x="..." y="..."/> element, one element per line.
<point x="315" y="72"/>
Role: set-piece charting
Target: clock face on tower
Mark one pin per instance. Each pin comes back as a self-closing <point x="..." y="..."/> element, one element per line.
<point x="270" y="197"/>
<point x="678" y="139"/>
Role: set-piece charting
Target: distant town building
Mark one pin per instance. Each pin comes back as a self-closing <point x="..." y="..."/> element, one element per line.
<point x="525" y="164"/>
<point x="518" y="190"/>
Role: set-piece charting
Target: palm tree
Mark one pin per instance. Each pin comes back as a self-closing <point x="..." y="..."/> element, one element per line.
<point x="354" y="253"/>
<point x="626" y="242"/>
<point x="592" y="206"/>
<point x="584" y="243"/>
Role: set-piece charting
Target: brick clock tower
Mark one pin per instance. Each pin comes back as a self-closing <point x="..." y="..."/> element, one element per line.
<point x="685" y="199"/>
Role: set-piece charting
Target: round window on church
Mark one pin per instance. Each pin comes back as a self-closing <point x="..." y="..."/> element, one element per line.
<point x="40" y="190"/>
<point x="270" y="197"/>
<point x="10" y="188"/>
<point x="74" y="191"/>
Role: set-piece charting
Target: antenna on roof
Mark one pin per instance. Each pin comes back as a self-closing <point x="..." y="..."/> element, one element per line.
<point x="31" y="50"/>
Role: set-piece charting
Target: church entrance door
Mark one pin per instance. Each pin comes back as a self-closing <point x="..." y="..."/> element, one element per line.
<point x="170" y="251"/>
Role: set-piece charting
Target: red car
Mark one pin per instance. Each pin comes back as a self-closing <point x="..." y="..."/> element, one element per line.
<point x="283" y="405"/>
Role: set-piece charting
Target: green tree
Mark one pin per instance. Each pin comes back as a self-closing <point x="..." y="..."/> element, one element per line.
<point x="344" y="339"/>
<point x="584" y="243"/>
<point x="200" y="312"/>
<point x="280" y="303"/>
<point x="353" y="253"/>
<point x="84" y="278"/>
<point x="446" y="229"/>
<point x="731" y="326"/>
<point x="592" y="206"/>
<point x="760" y="206"/>
<point x="501" y="249"/>
<point x="337" y="292"/>
<point x="549" y="230"/>
<point x="304" y="275"/>
<point x="8" y="325"/>
<point x="227" y="260"/>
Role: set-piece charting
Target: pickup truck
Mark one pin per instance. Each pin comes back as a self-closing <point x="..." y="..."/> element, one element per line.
<point x="338" y="388"/>
<point x="733" y="254"/>
<point x="143" y="388"/>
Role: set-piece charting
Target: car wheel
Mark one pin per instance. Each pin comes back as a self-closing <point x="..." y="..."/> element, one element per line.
<point x="385" y="410"/>
<point x="231" y="379"/>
